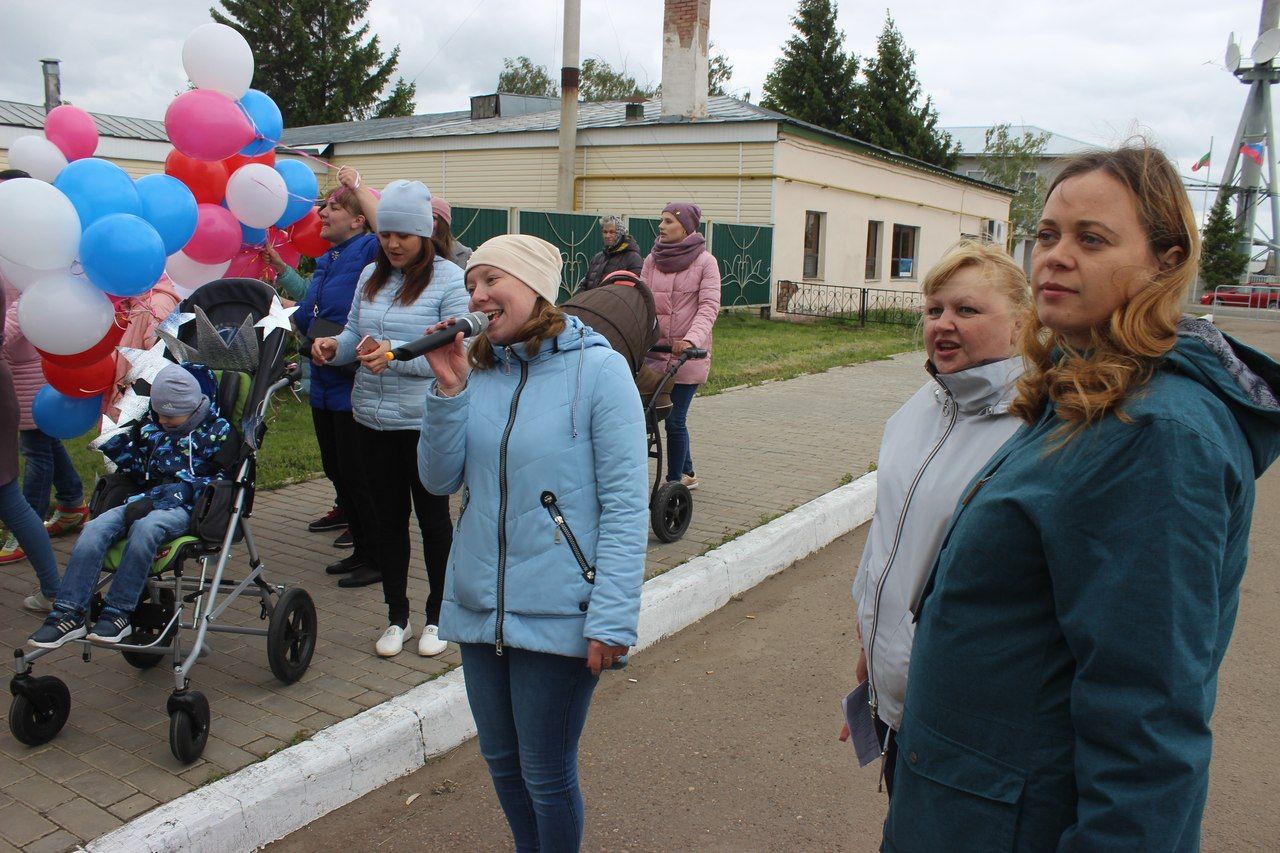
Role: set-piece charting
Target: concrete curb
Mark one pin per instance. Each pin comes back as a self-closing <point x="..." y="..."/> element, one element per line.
<point x="270" y="799"/>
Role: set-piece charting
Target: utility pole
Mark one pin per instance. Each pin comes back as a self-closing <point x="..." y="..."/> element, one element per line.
<point x="569" y="75"/>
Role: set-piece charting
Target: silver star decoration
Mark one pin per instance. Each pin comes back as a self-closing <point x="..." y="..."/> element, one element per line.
<point x="277" y="318"/>
<point x="133" y="406"/>
<point x="177" y="348"/>
<point x="177" y="318"/>
<point x="212" y="349"/>
<point x="144" y="364"/>
<point x="110" y="429"/>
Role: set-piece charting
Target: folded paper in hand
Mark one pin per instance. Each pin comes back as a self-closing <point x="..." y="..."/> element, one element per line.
<point x="862" y="727"/>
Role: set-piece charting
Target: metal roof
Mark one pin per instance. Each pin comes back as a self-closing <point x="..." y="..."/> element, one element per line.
<point x="973" y="139"/>
<point x="16" y="114"/>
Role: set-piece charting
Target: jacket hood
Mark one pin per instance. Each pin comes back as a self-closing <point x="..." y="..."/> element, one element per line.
<point x="1242" y="377"/>
<point x="987" y="388"/>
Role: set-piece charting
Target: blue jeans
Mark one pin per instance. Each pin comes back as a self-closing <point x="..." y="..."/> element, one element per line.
<point x="679" y="459"/>
<point x="96" y="538"/>
<point x="530" y="708"/>
<point x="48" y="464"/>
<point x="28" y="529"/>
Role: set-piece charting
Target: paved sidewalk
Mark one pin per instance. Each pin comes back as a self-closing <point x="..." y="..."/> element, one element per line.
<point x="759" y="453"/>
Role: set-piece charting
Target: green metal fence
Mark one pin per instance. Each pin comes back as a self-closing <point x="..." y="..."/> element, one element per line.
<point x="576" y="235"/>
<point x="745" y="255"/>
<point x="473" y="225"/>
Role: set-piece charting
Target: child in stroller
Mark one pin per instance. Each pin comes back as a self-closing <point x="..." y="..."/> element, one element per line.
<point x="173" y="455"/>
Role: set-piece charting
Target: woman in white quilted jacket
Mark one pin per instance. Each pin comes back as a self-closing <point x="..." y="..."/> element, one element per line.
<point x="975" y="298"/>
<point x="406" y="290"/>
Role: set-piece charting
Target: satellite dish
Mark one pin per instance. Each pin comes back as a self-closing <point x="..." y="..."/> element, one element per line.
<point x="1233" y="56"/>
<point x="1266" y="47"/>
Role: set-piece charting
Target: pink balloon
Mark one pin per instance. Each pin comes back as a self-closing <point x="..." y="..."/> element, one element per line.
<point x="72" y="130"/>
<point x="207" y="125"/>
<point x="288" y="252"/>
<point x="248" y="263"/>
<point x="217" y="237"/>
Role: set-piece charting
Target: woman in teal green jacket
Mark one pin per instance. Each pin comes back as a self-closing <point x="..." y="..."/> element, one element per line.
<point x="1065" y="663"/>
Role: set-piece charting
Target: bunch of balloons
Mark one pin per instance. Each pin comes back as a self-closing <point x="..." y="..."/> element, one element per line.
<point x="84" y="237"/>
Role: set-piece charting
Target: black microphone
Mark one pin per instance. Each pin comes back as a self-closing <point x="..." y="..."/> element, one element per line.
<point x="469" y="324"/>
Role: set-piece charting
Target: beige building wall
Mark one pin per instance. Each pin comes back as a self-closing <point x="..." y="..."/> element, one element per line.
<point x="501" y="177"/>
<point x="135" y="168"/>
<point x="850" y="190"/>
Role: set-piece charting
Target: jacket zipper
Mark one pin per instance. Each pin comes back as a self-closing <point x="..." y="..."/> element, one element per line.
<point x="549" y="501"/>
<point x="897" y="540"/>
<point x="502" y="506"/>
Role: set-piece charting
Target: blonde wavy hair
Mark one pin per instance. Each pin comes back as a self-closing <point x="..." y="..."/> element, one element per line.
<point x="545" y="323"/>
<point x="994" y="263"/>
<point x="1122" y="354"/>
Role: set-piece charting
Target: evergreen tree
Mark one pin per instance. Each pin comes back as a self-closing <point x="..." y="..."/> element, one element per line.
<point x="1011" y="161"/>
<point x="888" y="110"/>
<point x="814" y="80"/>
<point x="521" y="77"/>
<point x="313" y="59"/>
<point x="1221" y="261"/>
<point x="599" y="81"/>
<point x="719" y="71"/>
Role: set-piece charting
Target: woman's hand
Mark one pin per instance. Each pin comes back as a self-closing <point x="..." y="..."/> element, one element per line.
<point x="680" y="346"/>
<point x="272" y="257"/>
<point x="323" y="351"/>
<point x="375" y="360"/>
<point x="449" y="362"/>
<point x="349" y="177"/>
<point x="601" y="656"/>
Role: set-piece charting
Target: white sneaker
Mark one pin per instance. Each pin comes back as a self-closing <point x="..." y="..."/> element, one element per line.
<point x="392" y="640"/>
<point x="430" y="644"/>
<point x="37" y="603"/>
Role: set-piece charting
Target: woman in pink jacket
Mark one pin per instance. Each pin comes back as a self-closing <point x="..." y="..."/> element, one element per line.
<point x="685" y="280"/>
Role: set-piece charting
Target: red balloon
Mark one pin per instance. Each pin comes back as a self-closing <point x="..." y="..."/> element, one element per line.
<point x="235" y="161"/>
<point x="89" y="381"/>
<point x="249" y="263"/>
<point x="217" y="236"/>
<point x="305" y="235"/>
<point x="279" y="240"/>
<point x="207" y="180"/>
<point x="93" y="354"/>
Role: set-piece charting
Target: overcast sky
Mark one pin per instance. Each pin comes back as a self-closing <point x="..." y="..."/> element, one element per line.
<point x="1097" y="70"/>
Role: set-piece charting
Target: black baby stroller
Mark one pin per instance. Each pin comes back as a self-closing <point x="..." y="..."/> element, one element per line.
<point x="249" y="371"/>
<point x="621" y="309"/>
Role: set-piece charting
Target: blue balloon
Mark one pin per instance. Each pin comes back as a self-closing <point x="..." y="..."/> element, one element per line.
<point x="122" y="254"/>
<point x="98" y="188"/>
<point x="268" y="124"/>
<point x="64" y="417"/>
<point x="302" y="186"/>
<point x="170" y="208"/>
<point x="252" y="236"/>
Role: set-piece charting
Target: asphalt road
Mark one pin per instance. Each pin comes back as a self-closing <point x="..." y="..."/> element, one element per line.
<point x="722" y="738"/>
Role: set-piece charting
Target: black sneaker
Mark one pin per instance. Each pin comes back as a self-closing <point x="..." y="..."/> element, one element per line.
<point x="332" y="520"/>
<point x="345" y="540"/>
<point x="110" y="628"/>
<point x="59" y="627"/>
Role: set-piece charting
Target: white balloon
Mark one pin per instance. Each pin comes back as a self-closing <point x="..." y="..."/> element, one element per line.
<point x="257" y="195"/>
<point x="19" y="276"/>
<point x="43" y="231"/>
<point x="37" y="156"/>
<point x="217" y="57"/>
<point x="187" y="274"/>
<point x="64" y="314"/>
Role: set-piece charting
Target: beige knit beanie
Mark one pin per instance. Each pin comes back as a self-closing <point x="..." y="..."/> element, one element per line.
<point x="535" y="262"/>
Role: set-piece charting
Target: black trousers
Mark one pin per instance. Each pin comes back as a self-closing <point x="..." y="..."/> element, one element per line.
<point x="336" y="435"/>
<point x="390" y="462"/>
<point x="890" y="753"/>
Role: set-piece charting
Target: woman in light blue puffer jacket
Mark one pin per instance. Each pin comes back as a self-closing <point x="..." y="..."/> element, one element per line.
<point x="540" y="424"/>
<point x="403" y="292"/>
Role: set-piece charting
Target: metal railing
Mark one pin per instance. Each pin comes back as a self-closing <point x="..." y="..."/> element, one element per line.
<point x="1256" y="300"/>
<point x="843" y="302"/>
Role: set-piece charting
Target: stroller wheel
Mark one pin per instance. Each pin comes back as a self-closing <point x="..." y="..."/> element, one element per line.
<point x="40" y="708"/>
<point x="671" y="511"/>
<point x="188" y="725"/>
<point x="291" y="635"/>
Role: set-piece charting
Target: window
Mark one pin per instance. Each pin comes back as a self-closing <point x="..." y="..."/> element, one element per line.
<point x="813" y="243"/>
<point x="905" y="240"/>
<point x="977" y="173"/>
<point x="874" y="230"/>
<point x="994" y="230"/>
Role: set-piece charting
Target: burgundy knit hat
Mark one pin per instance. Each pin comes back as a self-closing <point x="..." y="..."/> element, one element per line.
<point x="443" y="209"/>
<point x="686" y="213"/>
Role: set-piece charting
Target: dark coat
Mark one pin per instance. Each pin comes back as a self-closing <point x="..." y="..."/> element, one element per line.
<point x="623" y="256"/>
<point x="1066" y="658"/>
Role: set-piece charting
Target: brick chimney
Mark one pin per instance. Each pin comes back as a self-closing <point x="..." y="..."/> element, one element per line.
<point x="684" y="58"/>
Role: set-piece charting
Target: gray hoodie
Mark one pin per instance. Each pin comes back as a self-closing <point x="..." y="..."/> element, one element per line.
<point x="931" y="449"/>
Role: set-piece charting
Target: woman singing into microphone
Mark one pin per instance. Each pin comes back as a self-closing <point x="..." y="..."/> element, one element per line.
<point x="406" y="289"/>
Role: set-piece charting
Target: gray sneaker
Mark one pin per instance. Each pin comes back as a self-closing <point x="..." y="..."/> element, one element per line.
<point x="37" y="603"/>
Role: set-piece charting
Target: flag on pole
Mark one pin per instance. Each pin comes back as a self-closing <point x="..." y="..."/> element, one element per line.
<point x="1202" y="162"/>
<point x="1252" y="150"/>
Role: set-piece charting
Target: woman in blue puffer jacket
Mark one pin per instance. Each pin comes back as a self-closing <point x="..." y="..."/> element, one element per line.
<point x="541" y="426"/>
<point x="405" y="290"/>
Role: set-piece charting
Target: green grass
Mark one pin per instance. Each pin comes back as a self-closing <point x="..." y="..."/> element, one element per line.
<point x="748" y="350"/>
